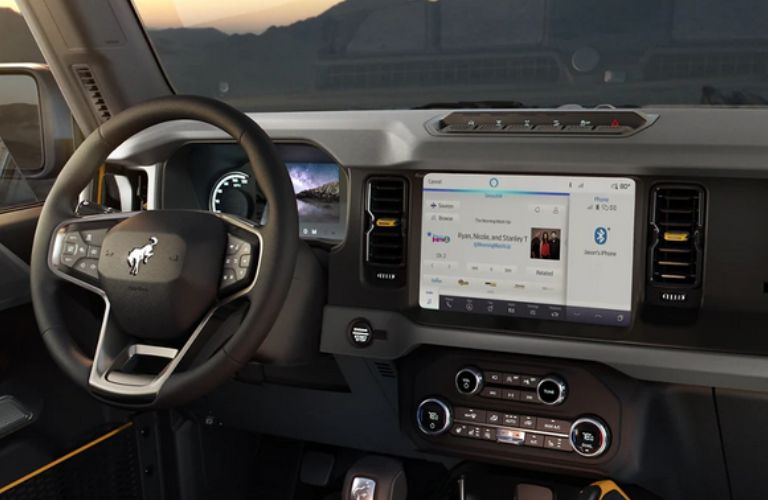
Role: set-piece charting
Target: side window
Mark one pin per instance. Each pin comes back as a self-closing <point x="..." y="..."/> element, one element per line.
<point x="30" y="143"/>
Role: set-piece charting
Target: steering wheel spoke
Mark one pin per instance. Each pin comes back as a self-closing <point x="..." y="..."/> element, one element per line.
<point x="76" y="248"/>
<point x="241" y="259"/>
<point x="131" y="368"/>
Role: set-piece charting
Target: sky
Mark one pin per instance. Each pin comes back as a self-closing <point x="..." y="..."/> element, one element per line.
<point x="231" y="16"/>
<point x="9" y="3"/>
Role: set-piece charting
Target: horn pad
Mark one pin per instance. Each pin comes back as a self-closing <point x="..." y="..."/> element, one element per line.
<point x="161" y="269"/>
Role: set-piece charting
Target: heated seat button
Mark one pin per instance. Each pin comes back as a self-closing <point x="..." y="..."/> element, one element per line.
<point x="557" y="443"/>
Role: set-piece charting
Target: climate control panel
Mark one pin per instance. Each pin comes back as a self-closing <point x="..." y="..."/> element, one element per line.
<point x="588" y="436"/>
<point x="492" y="406"/>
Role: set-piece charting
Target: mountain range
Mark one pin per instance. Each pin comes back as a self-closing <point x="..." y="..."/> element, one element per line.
<point x="328" y="193"/>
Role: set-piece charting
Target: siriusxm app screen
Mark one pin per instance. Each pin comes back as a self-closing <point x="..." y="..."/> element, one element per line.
<point x="539" y="247"/>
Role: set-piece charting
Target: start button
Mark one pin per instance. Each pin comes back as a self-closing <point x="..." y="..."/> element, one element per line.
<point x="361" y="332"/>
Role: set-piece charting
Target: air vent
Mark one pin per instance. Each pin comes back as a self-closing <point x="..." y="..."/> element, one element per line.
<point x="677" y="243"/>
<point x="386" y="370"/>
<point x="92" y="92"/>
<point x="385" y="242"/>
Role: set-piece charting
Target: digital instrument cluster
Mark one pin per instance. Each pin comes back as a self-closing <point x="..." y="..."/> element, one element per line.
<point x="319" y="188"/>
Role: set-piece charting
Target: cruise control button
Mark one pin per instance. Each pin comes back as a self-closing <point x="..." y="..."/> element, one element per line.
<point x="69" y="249"/>
<point x="245" y="260"/>
<point x="228" y="277"/>
<point x="93" y="252"/>
<point x="241" y="273"/>
<point x="89" y="267"/>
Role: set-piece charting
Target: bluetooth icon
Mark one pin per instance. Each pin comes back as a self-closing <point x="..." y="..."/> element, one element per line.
<point x="601" y="235"/>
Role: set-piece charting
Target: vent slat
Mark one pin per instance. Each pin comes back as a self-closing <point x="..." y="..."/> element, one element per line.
<point x="92" y="92"/>
<point x="386" y="199"/>
<point x="677" y="214"/>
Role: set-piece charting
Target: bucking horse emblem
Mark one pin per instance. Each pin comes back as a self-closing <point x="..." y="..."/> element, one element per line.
<point x="141" y="255"/>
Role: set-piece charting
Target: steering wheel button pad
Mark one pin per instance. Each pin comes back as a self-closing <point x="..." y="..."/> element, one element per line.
<point x="76" y="257"/>
<point x="237" y="264"/>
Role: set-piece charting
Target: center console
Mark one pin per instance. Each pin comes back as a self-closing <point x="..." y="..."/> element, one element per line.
<point x="515" y="409"/>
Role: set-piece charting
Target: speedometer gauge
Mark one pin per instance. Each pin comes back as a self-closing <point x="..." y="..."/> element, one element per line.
<point x="232" y="195"/>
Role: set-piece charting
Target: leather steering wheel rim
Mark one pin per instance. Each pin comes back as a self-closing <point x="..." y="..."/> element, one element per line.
<point x="278" y="250"/>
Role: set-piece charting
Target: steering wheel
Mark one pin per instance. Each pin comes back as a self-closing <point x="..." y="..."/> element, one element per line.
<point x="163" y="274"/>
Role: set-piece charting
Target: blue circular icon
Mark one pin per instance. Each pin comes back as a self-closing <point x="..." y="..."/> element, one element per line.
<point x="494" y="182"/>
<point x="601" y="235"/>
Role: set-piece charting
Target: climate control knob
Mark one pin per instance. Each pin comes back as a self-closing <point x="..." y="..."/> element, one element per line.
<point x="552" y="390"/>
<point x="434" y="416"/>
<point x="469" y="381"/>
<point x="590" y="437"/>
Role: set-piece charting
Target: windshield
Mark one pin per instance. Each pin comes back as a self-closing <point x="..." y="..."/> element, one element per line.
<point x="284" y="55"/>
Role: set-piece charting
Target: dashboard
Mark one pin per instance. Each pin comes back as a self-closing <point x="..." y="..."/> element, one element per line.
<point x="644" y="234"/>
<point x="587" y="302"/>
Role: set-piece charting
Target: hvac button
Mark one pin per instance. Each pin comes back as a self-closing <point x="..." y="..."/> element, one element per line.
<point x="360" y="333"/>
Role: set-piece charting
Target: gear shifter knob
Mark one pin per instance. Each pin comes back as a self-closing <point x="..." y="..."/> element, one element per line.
<point x="375" y="478"/>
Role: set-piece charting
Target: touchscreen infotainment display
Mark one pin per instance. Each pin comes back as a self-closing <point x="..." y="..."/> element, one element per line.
<point x="537" y="247"/>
